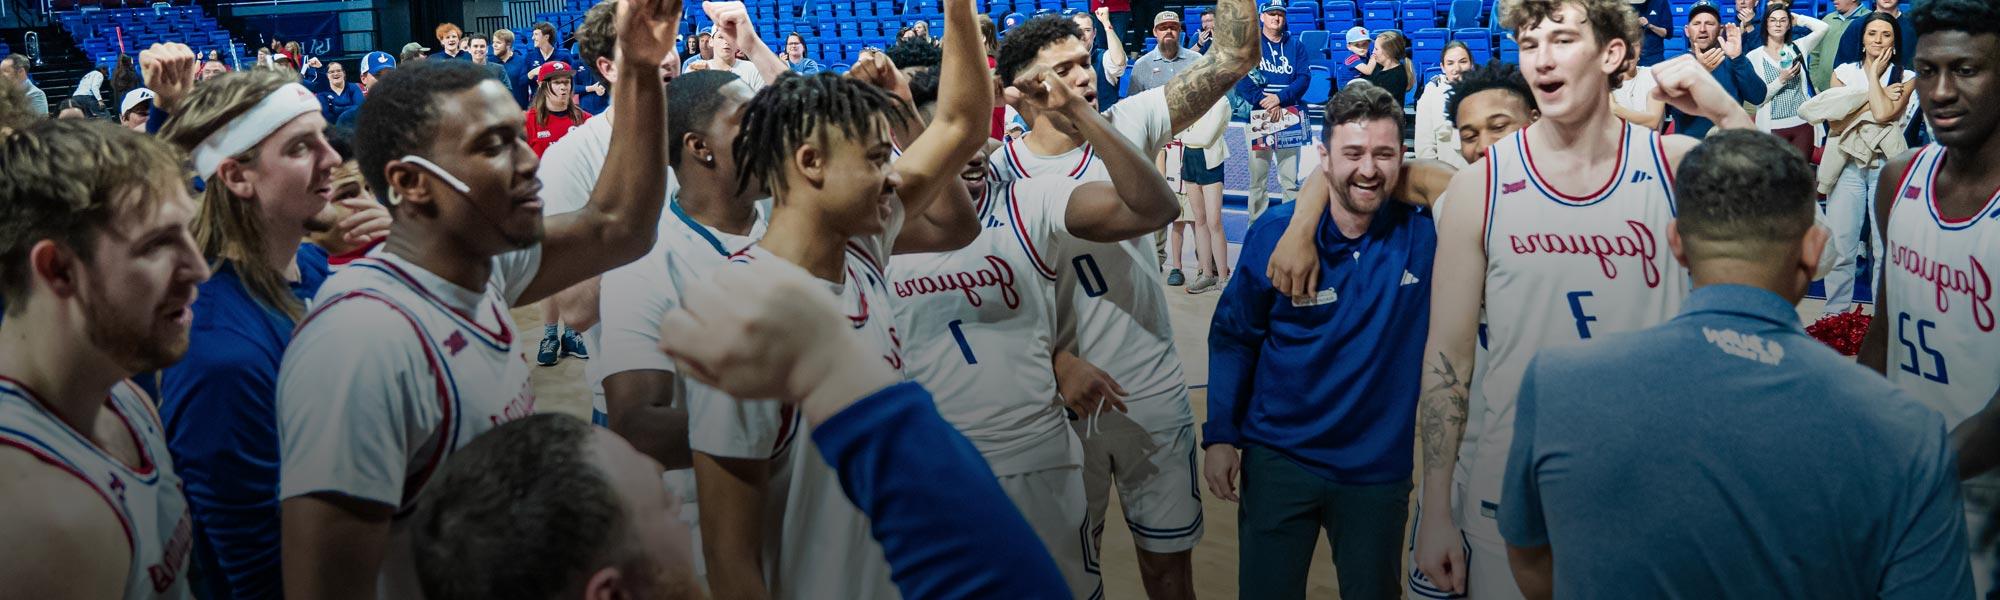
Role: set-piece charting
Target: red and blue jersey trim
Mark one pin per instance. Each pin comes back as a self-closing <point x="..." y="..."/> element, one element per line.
<point x="500" y="340"/>
<point x="1021" y="233"/>
<point x="1014" y="164"/>
<point x="1933" y="157"/>
<point x="146" y="471"/>
<point x="1542" y="185"/>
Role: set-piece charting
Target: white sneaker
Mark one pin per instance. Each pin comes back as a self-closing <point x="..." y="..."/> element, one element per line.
<point x="1203" y="284"/>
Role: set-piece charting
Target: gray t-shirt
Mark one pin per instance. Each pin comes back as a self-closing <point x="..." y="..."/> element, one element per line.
<point x="1726" y="454"/>
<point x="1154" y="70"/>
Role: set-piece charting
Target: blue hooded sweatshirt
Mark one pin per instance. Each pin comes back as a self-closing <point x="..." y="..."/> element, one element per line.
<point x="1285" y="72"/>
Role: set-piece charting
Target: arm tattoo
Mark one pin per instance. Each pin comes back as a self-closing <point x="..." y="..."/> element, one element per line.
<point x="1232" y="56"/>
<point x="1443" y="417"/>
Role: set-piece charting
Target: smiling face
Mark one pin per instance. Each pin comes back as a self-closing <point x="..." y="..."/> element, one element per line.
<point x="1956" y="77"/>
<point x="289" y="176"/>
<point x="859" y="182"/>
<point x="1878" y="38"/>
<point x="478" y="48"/>
<point x="795" y="47"/>
<point x="1566" y="67"/>
<point x="1457" y="60"/>
<point x="481" y="139"/>
<point x="450" y="41"/>
<point x="336" y="74"/>
<point x="1363" y="161"/>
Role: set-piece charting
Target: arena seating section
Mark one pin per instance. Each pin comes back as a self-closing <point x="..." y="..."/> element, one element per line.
<point x="98" y="29"/>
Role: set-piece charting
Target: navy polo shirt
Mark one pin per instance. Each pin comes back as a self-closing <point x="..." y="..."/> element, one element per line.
<point x="1726" y="454"/>
<point x="1332" y="383"/>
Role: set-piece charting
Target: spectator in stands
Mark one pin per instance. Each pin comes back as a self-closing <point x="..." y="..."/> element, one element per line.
<point x="411" y="52"/>
<point x="13" y="116"/>
<point x="1167" y="59"/>
<point x="1487" y="104"/>
<point x="1746" y="16"/>
<point x="922" y="29"/>
<point x="14" y="71"/>
<point x="1633" y="99"/>
<point x="722" y="53"/>
<point x="1206" y="36"/>
<point x="1109" y="62"/>
<point x="373" y="67"/>
<point x="476" y="47"/>
<point x="339" y="96"/>
<point x="1389" y="66"/>
<point x="449" y="39"/>
<point x="1852" y="39"/>
<point x="1012" y="19"/>
<point x="514" y="63"/>
<point x="286" y="62"/>
<point x="914" y="55"/>
<point x="1781" y="62"/>
<point x="1720" y="50"/>
<point x="1826" y="54"/>
<point x="124" y="78"/>
<point x="795" y="55"/>
<point x="554" y="113"/>
<point x="1284" y="76"/>
<point x="698" y="49"/>
<point x="76" y="107"/>
<point x="1116" y="15"/>
<point x="1878" y="90"/>
<point x="213" y="68"/>
<point x="1435" y="137"/>
<point x="1357" y="55"/>
<point x="1656" y="19"/>
<point x="545" y="51"/>
<point x="91" y="90"/>
<point x="593" y="95"/>
<point x="132" y="111"/>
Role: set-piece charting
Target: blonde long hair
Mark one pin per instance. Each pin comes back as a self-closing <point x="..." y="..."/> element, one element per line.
<point x="230" y="228"/>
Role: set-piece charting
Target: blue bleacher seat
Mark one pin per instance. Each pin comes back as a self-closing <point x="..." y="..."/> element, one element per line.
<point x="1479" y="41"/>
<point x="1417" y="16"/>
<point x="1464" y="14"/>
<point x="1321" y="86"/>
<point x="1301" y="17"/>
<point x="1315" y="42"/>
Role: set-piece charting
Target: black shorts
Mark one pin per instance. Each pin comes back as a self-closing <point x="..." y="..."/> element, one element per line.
<point x="1195" y="171"/>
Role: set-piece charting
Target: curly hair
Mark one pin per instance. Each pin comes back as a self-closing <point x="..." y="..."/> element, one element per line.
<point x="1608" y="20"/>
<point x="1025" y="41"/>
<point x="1496" y="75"/>
<point x="797" y="109"/>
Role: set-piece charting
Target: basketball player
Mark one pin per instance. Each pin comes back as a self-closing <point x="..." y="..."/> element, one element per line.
<point x="978" y="323"/>
<point x="1556" y="254"/>
<point x="1111" y="309"/>
<point x="1933" y="333"/>
<point x="367" y="408"/>
<point x="99" y="271"/>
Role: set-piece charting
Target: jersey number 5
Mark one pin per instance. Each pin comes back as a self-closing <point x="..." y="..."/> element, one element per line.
<point x="1915" y="364"/>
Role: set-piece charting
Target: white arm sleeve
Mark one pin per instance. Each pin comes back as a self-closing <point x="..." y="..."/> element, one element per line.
<point x="1143" y="120"/>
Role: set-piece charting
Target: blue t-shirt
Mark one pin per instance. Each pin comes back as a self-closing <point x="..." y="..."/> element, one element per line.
<point x="1331" y="385"/>
<point x="333" y="105"/>
<point x="219" y="405"/>
<point x="1726" y="454"/>
<point x="1659" y="14"/>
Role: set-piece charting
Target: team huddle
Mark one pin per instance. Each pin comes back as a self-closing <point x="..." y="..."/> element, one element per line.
<point x="849" y="348"/>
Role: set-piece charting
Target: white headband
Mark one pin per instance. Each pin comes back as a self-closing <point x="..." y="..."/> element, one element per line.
<point x="246" y="130"/>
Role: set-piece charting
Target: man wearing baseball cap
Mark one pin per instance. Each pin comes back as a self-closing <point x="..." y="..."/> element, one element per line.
<point x="1284" y="76"/>
<point x="132" y="111"/>
<point x="413" y="51"/>
<point x="373" y="66"/>
<point x="1012" y="19"/>
<point x="1167" y="59"/>
<point x="1720" y="49"/>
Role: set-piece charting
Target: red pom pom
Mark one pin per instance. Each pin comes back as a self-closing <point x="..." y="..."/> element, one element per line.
<point x="1843" y="332"/>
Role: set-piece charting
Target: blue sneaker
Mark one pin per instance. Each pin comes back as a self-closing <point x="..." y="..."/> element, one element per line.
<point x="1175" y="278"/>
<point x="572" y="345"/>
<point x="547" y="354"/>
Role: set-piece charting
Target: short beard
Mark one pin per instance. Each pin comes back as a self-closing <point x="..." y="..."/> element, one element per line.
<point x="134" y="348"/>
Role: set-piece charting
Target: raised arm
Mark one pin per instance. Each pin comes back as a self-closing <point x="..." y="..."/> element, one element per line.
<point x="623" y="216"/>
<point x="1115" y="58"/>
<point x="958" y="128"/>
<point x="1457" y="289"/>
<point x="1138" y="204"/>
<point x="1817" y="29"/>
<point x="1233" y="56"/>
<point x="733" y="19"/>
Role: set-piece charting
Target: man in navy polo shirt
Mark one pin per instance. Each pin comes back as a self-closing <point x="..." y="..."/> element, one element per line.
<point x="1319" y="393"/>
<point x="1726" y="454"/>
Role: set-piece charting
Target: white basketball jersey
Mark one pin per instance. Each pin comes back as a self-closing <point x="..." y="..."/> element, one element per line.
<point x="979" y="328"/>
<point x="1560" y="270"/>
<point x="828" y="549"/>
<point x="1116" y="314"/>
<point x="1942" y="345"/>
<point x="147" y="499"/>
<point x="393" y="370"/>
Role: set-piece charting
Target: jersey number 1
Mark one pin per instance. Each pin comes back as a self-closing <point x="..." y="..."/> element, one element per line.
<point x="964" y="347"/>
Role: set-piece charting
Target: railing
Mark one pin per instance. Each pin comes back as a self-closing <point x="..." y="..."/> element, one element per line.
<point x="490" y="23"/>
<point x="521" y="15"/>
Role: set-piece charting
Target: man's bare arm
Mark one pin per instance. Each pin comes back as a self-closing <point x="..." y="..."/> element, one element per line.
<point x="79" y="550"/>
<point x="958" y="129"/>
<point x="1233" y="56"/>
<point x="640" y="407"/>
<point x="1457" y="289"/>
<point x="333" y="546"/>
<point x="731" y="494"/>
<point x="1534" y="571"/>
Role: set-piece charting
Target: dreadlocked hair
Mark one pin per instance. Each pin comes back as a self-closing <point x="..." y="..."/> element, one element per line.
<point x="797" y="109"/>
<point x="229" y="228"/>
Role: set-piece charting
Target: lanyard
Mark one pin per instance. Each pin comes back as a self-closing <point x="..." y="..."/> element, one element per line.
<point x="698" y="228"/>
